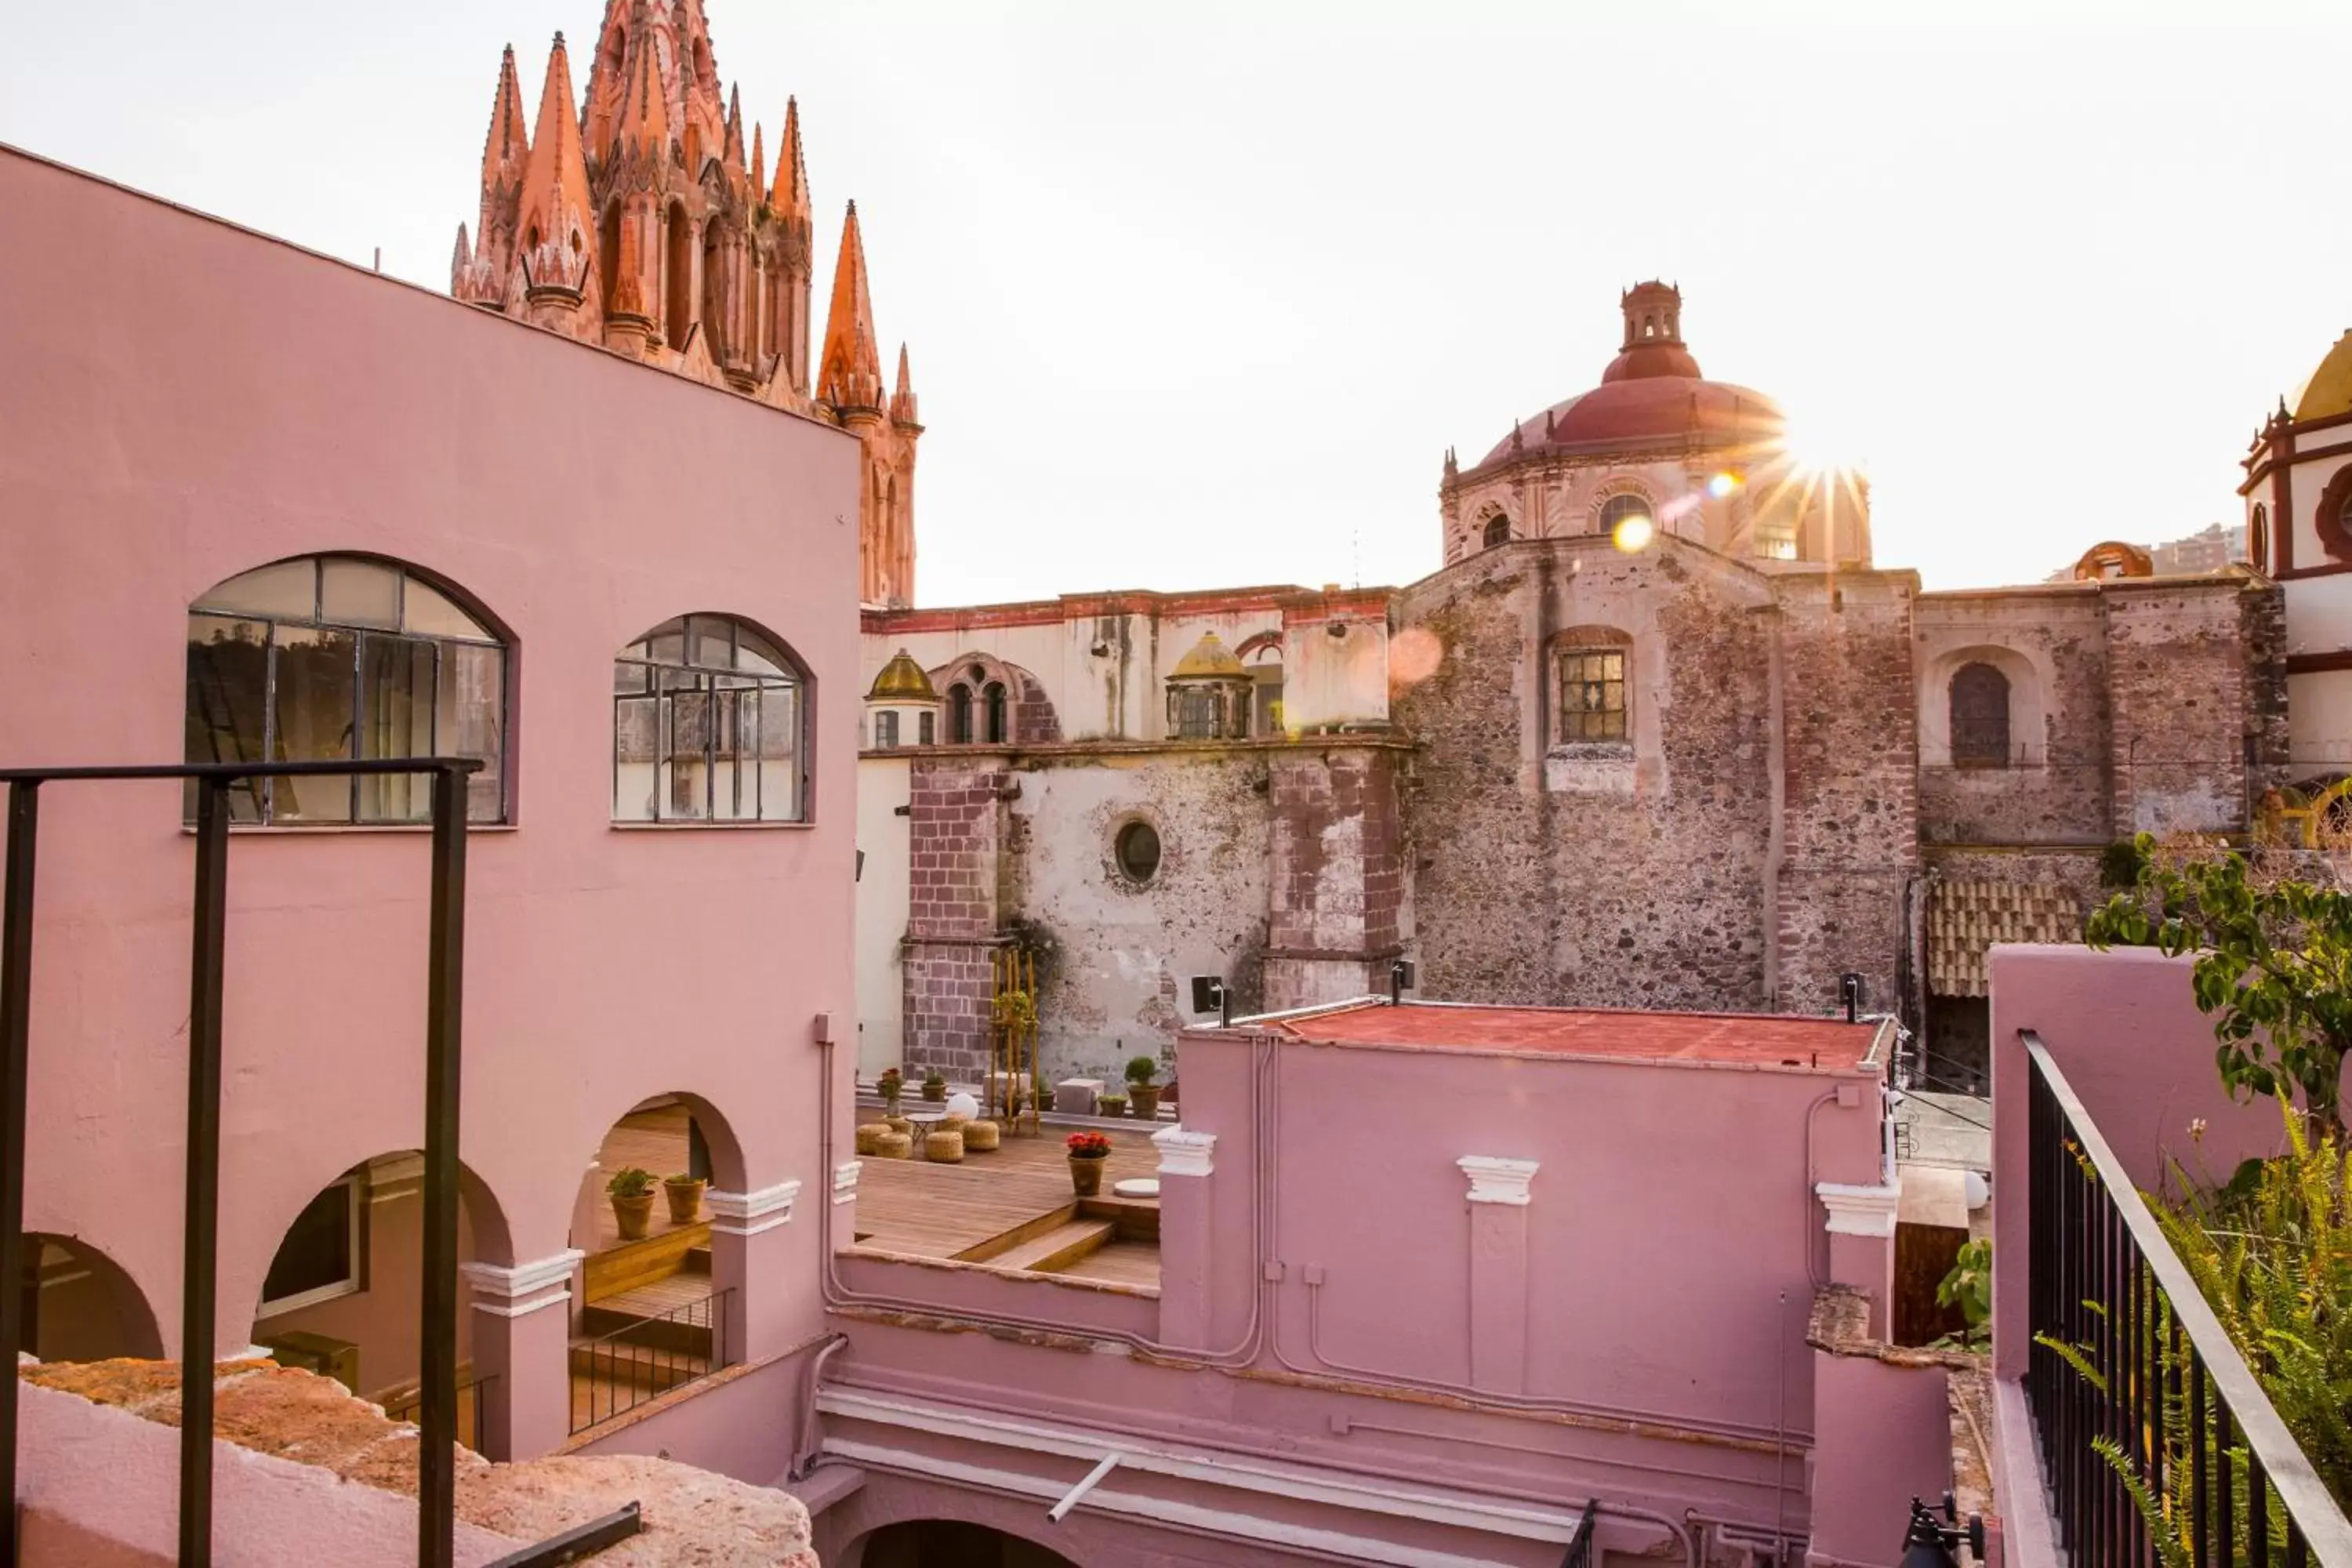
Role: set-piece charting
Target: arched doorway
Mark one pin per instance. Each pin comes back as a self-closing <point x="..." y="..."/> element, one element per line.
<point x="79" y="1304"/>
<point x="342" y="1295"/>
<point x="952" y="1543"/>
<point x="659" y="1305"/>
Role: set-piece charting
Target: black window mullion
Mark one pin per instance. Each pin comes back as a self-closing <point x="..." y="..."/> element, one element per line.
<point x="269" y="801"/>
<point x="710" y="685"/>
<point x="359" y="720"/>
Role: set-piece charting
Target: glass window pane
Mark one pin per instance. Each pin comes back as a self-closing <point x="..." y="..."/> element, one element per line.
<point x="311" y="692"/>
<point x="228" y="694"/>
<point x="926" y="728"/>
<point x="779" y="751"/>
<point x="637" y="726"/>
<point x="470" y="718"/>
<point x="289" y="589"/>
<point x="397" y="707"/>
<point x="713" y="643"/>
<point x="668" y="644"/>
<point x="756" y="654"/>
<point x="429" y="612"/>
<point x="358" y="592"/>
<point x="318" y="1251"/>
<point x="627" y="677"/>
<point x="684" y="777"/>
<point x="885" y="730"/>
<point x="734" y="787"/>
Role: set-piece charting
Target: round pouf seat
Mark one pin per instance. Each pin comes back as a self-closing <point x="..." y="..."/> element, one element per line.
<point x="894" y="1146"/>
<point x="869" y="1137"/>
<point x="944" y="1146"/>
<point x="980" y="1137"/>
<point x="1137" y="1187"/>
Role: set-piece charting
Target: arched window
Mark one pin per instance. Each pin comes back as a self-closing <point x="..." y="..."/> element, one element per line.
<point x="1979" y="717"/>
<point x="1618" y="508"/>
<point x="1498" y="531"/>
<point x="608" y="254"/>
<point x="716" y="328"/>
<point x="958" y="714"/>
<point x="708" y="726"/>
<point x="992" y="701"/>
<point x="885" y="730"/>
<point x="331" y="656"/>
<point x="678" y="289"/>
<point x="2258" y="538"/>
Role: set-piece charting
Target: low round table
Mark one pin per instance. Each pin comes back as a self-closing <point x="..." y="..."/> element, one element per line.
<point x="1137" y="1187"/>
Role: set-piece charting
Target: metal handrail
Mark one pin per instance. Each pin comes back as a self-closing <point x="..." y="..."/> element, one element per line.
<point x="654" y="1360"/>
<point x="2311" y="1507"/>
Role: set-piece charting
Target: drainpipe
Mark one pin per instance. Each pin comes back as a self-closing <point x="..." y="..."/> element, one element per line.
<point x="1061" y="1509"/>
<point x="1775" y="846"/>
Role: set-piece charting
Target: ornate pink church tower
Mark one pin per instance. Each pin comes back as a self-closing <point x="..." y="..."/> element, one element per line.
<point x="644" y="222"/>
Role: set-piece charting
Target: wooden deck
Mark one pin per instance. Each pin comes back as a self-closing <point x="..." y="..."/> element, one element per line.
<point x="652" y="1141"/>
<point x="1007" y="1207"/>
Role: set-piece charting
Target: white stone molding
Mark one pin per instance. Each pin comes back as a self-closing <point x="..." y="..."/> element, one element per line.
<point x="748" y="1214"/>
<point x="845" y="1180"/>
<point x="525" y="1288"/>
<point x="1858" y="1211"/>
<point x="1183" y="1153"/>
<point x="1498" y="1181"/>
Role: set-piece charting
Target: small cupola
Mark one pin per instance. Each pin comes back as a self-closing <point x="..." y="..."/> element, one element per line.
<point x="902" y="708"/>
<point x="1209" y="694"/>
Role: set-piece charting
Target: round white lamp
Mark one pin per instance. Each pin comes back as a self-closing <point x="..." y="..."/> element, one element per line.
<point x="964" y="1105"/>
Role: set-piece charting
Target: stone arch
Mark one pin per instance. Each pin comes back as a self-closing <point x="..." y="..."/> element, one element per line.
<point x="921" y="1538"/>
<point x="608" y="255"/>
<point x="2028" y="713"/>
<point x="1030" y="721"/>
<point x="677" y="275"/>
<point x="81" y="1305"/>
<point x="1495" y="531"/>
<point x="1599" y="518"/>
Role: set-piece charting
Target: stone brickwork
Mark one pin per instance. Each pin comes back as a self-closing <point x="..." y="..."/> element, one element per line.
<point x="2177" y="685"/>
<point x="1338" y="876"/>
<point x="955" y="834"/>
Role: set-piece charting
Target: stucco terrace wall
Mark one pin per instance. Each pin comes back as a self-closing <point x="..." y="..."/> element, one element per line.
<point x="191" y="401"/>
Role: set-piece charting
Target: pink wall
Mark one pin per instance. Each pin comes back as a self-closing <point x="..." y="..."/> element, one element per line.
<point x="1883" y="1435"/>
<point x="190" y="400"/>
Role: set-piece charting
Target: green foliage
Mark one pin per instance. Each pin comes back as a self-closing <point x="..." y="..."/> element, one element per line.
<point x="1140" y="1070"/>
<point x="2273" y="968"/>
<point x="1969" y="1286"/>
<point x="631" y="1181"/>
<point x="2120" y="864"/>
<point x="934" y="1078"/>
<point x="682" y="1179"/>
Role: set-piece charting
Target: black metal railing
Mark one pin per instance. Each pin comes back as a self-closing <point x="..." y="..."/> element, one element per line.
<point x="445" y="974"/>
<point x="473" y="1408"/>
<point x="1580" y="1545"/>
<point x="645" y="1359"/>
<point x="2158" y="1444"/>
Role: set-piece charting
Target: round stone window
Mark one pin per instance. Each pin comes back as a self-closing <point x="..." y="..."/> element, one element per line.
<point x="1136" y="849"/>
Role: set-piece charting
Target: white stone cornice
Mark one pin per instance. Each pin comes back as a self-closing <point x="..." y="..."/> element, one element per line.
<point x="1858" y="1211"/>
<point x="524" y="1288"/>
<point x="1183" y="1153"/>
<point x="845" y="1180"/>
<point x="748" y="1214"/>
<point x="1498" y="1181"/>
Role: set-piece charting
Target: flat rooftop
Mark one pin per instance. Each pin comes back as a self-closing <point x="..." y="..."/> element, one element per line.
<point x="1735" y="1039"/>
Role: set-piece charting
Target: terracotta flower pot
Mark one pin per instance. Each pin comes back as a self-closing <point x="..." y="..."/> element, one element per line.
<point x="937" y="1093"/>
<point x="634" y="1216"/>
<point x="685" y="1200"/>
<point x="1085" y="1173"/>
<point x="1145" y="1098"/>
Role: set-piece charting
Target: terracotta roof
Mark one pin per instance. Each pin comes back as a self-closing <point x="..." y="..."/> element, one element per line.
<point x="1649" y="407"/>
<point x="1746" y="1039"/>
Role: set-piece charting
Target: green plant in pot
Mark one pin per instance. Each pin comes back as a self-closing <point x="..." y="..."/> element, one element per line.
<point x="1110" y="1105"/>
<point x="685" y="1195"/>
<point x="1141" y="1091"/>
<point x="632" y="1191"/>
<point x="891" y="1085"/>
<point x="935" y="1086"/>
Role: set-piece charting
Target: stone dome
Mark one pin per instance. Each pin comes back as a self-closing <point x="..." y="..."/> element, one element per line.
<point x="1651" y="392"/>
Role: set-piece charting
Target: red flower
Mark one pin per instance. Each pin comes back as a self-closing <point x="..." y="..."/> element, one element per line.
<point x="1089" y="1145"/>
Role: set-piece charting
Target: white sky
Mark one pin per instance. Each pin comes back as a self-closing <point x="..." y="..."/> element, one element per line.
<point x="1198" y="294"/>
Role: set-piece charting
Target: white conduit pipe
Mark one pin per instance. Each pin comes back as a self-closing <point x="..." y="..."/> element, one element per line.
<point x="1061" y="1510"/>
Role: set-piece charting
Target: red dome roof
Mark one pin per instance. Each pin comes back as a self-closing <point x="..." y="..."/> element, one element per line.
<point x="1654" y="407"/>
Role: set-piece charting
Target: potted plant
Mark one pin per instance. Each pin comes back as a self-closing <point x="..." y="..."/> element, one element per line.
<point x="1110" y="1105"/>
<point x="1090" y="1153"/>
<point x="935" y="1086"/>
<point x="1141" y="1089"/>
<point x="684" y="1194"/>
<point x="632" y="1191"/>
<point x="891" y="1085"/>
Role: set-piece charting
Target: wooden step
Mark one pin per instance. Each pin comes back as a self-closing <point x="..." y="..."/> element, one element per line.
<point x="637" y="1263"/>
<point x="1027" y="1230"/>
<point x="636" y="1367"/>
<point x="1057" y="1248"/>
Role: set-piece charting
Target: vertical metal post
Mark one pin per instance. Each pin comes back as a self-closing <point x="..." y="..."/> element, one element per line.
<point x="445" y="1005"/>
<point x="16" y="1028"/>
<point x="200" y="1230"/>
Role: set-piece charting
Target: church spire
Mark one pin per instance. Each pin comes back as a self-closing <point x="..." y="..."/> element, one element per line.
<point x="503" y="153"/>
<point x="902" y="402"/>
<point x="849" y="375"/>
<point x="759" y="160"/>
<point x="789" y="198"/>
<point x="555" y="208"/>
<point x="733" y="150"/>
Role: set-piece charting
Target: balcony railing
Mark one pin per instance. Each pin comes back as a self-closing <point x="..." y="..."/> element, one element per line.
<point x="641" y="1361"/>
<point x="2158" y="1444"/>
<point x="473" y="1408"/>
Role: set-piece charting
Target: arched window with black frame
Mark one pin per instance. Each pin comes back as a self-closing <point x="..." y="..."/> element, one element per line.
<point x="1498" y="531"/>
<point x="709" y="724"/>
<point x="1979" y="696"/>
<point x="324" y="658"/>
<point x="996" y="710"/>
<point x="958" y="714"/>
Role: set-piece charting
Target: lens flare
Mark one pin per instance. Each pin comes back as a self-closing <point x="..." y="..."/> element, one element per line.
<point x="1722" y="485"/>
<point x="1634" y="534"/>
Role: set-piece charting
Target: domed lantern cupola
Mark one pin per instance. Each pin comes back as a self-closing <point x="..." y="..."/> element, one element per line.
<point x="1209" y="694"/>
<point x="901" y="707"/>
<point x="1653" y="335"/>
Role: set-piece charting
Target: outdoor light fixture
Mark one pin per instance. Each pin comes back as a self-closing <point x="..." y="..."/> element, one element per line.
<point x="1399" y="981"/>
<point x="1209" y="995"/>
<point x="1850" y="994"/>
<point x="1928" y="1545"/>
